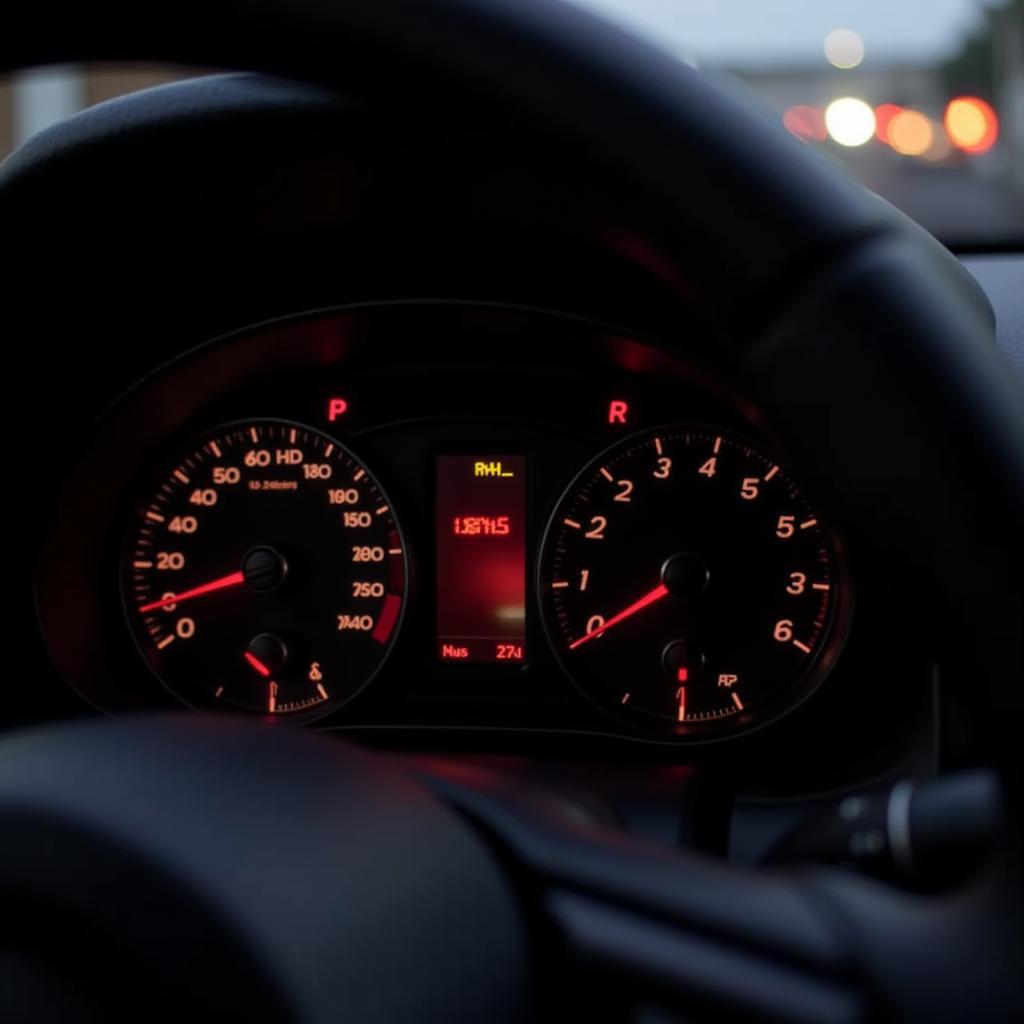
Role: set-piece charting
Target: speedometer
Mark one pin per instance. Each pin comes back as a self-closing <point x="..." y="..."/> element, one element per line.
<point x="265" y="571"/>
<point x="688" y="586"/>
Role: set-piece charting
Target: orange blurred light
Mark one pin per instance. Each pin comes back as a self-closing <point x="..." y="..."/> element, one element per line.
<point x="910" y="133"/>
<point x="971" y="124"/>
<point x="884" y="114"/>
<point x="805" y="122"/>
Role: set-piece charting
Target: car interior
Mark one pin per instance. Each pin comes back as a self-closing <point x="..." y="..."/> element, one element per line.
<point x="508" y="531"/>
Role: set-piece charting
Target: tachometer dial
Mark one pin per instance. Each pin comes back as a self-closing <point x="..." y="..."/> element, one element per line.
<point x="687" y="585"/>
<point x="265" y="571"/>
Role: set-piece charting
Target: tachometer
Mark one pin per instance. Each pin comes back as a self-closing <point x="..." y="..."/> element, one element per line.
<point x="687" y="585"/>
<point x="265" y="570"/>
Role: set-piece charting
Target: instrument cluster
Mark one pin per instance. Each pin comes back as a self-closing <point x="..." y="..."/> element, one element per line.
<point x="438" y="516"/>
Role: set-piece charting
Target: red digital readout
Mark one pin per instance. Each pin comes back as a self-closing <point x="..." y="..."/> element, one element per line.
<point x="481" y="526"/>
<point x="481" y="558"/>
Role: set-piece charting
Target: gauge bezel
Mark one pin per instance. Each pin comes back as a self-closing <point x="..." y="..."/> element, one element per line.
<point x="732" y="727"/>
<point x="155" y="471"/>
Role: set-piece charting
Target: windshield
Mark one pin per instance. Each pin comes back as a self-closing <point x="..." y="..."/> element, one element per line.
<point x="921" y="100"/>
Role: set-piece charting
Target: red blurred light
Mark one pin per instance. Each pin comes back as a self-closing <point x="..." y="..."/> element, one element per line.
<point x="336" y="407"/>
<point x="805" y="122"/>
<point x="884" y="113"/>
<point x="617" y="411"/>
<point x="971" y="124"/>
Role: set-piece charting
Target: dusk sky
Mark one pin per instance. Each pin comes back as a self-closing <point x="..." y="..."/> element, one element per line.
<point x="792" y="31"/>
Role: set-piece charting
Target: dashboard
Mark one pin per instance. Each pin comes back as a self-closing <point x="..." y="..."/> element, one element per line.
<point x="361" y="456"/>
<point x="549" y="531"/>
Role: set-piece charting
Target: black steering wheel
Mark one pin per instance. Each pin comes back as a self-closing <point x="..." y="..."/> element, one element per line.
<point x="245" y="873"/>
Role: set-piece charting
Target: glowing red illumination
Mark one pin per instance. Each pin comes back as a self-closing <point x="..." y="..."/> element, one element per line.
<point x="805" y="123"/>
<point x="971" y="124"/>
<point x="481" y="558"/>
<point x="617" y="411"/>
<point x="387" y="619"/>
<point x="884" y="113"/>
<point x="637" y="606"/>
<point x="257" y="664"/>
<point x="682" y="675"/>
<point x="336" y="407"/>
<point x="231" y="580"/>
<point x="481" y="526"/>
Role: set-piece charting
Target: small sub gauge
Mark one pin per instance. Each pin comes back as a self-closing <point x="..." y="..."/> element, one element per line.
<point x="687" y="586"/>
<point x="265" y="570"/>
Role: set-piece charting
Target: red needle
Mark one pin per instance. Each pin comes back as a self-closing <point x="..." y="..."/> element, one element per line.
<point x="648" y="599"/>
<point x="257" y="664"/>
<point x="231" y="580"/>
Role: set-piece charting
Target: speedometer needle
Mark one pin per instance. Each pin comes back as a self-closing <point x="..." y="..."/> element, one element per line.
<point x="231" y="580"/>
<point x="648" y="599"/>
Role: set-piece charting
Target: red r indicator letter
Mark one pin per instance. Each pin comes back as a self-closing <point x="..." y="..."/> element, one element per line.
<point x="617" y="411"/>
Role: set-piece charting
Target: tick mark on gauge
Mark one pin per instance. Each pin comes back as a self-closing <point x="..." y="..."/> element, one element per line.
<point x="166" y="642"/>
<point x="572" y="523"/>
<point x="559" y="584"/>
<point x="254" y="434"/>
<point x="718" y="445"/>
<point x="807" y="525"/>
<point x="215" y="448"/>
<point x="155" y="516"/>
<point x="819" y="586"/>
<point x="657" y="446"/>
<point x="178" y="475"/>
<point x="771" y="472"/>
<point x="381" y="510"/>
<point x="359" y="475"/>
<point x="328" y="450"/>
<point x="801" y="647"/>
<point x="606" y="474"/>
<point x="736" y="700"/>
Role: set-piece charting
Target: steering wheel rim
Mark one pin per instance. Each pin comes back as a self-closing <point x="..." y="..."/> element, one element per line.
<point x="836" y="304"/>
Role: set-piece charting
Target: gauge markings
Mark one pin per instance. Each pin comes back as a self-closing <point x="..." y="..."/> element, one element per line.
<point x="705" y="543"/>
<point x="248" y="554"/>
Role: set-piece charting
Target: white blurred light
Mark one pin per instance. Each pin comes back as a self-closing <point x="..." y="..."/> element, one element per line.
<point x="844" y="48"/>
<point x="850" y="122"/>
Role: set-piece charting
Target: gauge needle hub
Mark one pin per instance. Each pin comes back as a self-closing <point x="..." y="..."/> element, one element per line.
<point x="231" y="580"/>
<point x="637" y="606"/>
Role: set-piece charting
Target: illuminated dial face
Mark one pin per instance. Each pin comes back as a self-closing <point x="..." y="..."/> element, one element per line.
<point x="265" y="571"/>
<point x="687" y="586"/>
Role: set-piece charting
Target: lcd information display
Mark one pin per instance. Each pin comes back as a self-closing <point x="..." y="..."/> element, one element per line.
<point x="481" y="558"/>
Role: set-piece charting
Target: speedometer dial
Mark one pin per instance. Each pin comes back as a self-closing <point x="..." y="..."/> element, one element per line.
<point x="265" y="570"/>
<point x="688" y="586"/>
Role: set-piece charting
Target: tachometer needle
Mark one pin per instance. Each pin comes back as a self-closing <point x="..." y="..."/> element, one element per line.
<point x="231" y="580"/>
<point x="648" y="599"/>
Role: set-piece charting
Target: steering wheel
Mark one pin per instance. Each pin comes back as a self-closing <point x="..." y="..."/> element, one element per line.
<point x="264" y="874"/>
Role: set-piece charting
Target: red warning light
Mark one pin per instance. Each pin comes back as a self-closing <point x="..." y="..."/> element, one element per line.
<point x="617" y="411"/>
<point x="336" y="407"/>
